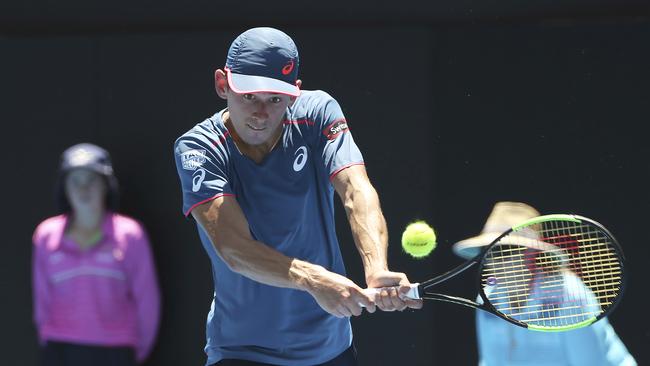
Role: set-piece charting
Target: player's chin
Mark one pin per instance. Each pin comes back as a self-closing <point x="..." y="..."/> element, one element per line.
<point x="257" y="138"/>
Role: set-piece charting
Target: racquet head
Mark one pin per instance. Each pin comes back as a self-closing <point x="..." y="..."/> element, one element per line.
<point x="552" y="273"/>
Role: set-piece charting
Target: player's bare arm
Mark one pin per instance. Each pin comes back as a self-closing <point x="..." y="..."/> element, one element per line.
<point x="370" y="235"/>
<point x="225" y="223"/>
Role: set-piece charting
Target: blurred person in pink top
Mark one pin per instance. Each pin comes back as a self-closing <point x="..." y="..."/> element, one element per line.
<point x="95" y="291"/>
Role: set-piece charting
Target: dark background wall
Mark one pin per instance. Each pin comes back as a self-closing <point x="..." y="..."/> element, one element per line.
<point x="455" y="105"/>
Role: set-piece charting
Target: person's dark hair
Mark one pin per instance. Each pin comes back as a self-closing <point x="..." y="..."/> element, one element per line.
<point x="91" y="157"/>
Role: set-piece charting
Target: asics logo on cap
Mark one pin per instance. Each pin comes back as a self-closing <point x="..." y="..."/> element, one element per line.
<point x="286" y="70"/>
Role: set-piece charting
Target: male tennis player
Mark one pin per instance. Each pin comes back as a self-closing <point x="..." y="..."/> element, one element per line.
<point x="258" y="177"/>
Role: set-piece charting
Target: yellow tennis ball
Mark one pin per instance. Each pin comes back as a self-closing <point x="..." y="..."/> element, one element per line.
<point x="418" y="239"/>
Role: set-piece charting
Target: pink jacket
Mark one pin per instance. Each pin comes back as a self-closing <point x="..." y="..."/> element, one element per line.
<point x="107" y="295"/>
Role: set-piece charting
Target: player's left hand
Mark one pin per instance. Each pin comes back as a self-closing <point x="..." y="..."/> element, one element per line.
<point x="394" y="285"/>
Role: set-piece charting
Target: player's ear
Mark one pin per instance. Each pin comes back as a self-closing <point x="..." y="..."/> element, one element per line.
<point x="221" y="83"/>
<point x="298" y="84"/>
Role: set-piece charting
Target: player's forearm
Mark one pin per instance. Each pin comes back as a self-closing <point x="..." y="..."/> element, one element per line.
<point x="228" y="230"/>
<point x="264" y="264"/>
<point x="368" y="226"/>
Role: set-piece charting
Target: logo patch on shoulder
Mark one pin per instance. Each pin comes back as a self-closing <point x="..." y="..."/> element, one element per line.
<point x="335" y="128"/>
<point x="193" y="159"/>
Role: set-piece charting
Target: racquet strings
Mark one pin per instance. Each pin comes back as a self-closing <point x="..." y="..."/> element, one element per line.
<point x="553" y="274"/>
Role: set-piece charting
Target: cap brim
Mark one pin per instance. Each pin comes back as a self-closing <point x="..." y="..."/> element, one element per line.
<point x="471" y="247"/>
<point x="242" y="84"/>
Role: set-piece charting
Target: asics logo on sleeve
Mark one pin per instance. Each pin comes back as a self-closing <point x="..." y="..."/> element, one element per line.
<point x="197" y="179"/>
<point x="301" y="159"/>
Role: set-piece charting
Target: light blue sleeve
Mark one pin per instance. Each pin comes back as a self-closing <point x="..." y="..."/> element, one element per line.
<point x="502" y="344"/>
<point x="493" y="339"/>
<point x="596" y="345"/>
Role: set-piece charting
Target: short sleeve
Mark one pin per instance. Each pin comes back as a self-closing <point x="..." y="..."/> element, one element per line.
<point x="335" y="145"/>
<point x="202" y="170"/>
<point x="40" y="287"/>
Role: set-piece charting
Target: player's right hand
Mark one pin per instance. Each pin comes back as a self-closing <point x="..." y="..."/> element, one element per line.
<point x="338" y="295"/>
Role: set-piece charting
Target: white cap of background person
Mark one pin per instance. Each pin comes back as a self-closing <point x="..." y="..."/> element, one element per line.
<point x="504" y="216"/>
<point x="90" y="157"/>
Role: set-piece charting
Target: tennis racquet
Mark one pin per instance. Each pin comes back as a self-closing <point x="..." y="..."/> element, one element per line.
<point x="550" y="273"/>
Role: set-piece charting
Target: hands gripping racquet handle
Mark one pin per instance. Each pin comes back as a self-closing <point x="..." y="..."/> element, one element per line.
<point x="413" y="293"/>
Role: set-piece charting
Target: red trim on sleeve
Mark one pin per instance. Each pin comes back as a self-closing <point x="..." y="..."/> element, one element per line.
<point x="222" y="139"/>
<point x="343" y="168"/>
<point x="187" y="213"/>
<point x="301" y="121"/>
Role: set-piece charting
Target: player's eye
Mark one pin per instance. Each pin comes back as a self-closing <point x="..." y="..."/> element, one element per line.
<point x="275" y="100"/>
<point x="248" y="96"/>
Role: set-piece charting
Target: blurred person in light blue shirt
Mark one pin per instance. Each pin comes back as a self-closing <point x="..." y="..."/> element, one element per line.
<point x="501" y="343"/>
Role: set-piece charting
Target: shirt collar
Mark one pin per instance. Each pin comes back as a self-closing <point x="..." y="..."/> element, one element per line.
<point x="107" y="225"/>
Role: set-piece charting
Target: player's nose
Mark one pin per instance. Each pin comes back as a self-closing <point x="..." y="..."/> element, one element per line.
<point x="260" y="111"/>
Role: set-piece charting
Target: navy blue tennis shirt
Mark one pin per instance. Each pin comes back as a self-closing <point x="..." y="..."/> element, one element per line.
<point x="288" y="202"/>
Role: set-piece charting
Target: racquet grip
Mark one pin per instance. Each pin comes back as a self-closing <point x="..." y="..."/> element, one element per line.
<point x="413" y="293"/>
